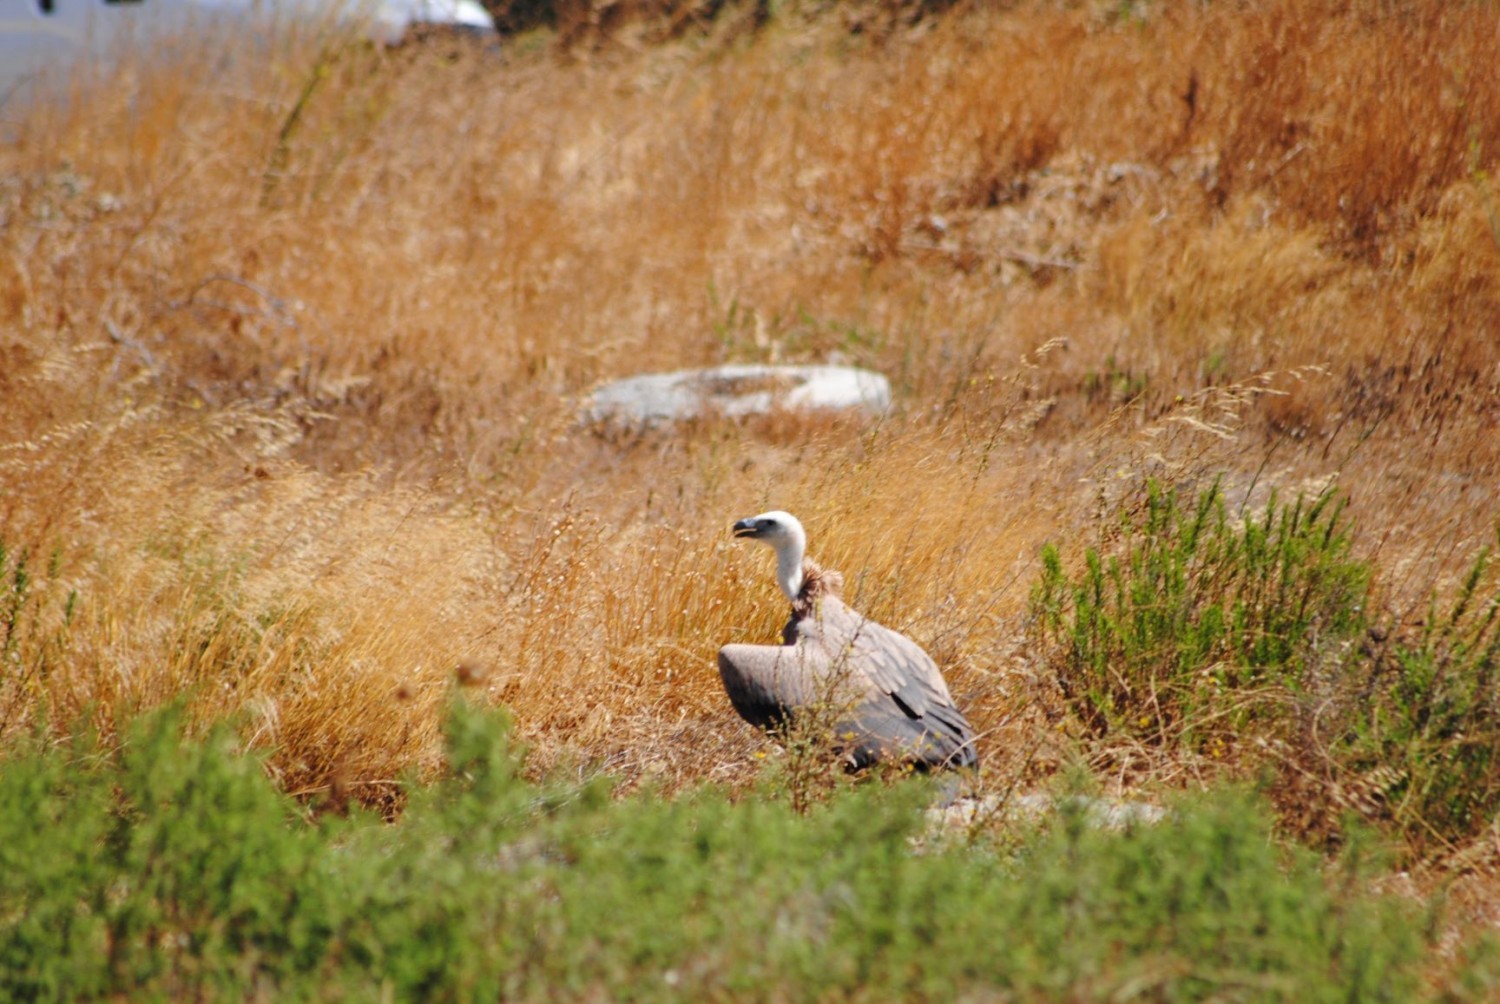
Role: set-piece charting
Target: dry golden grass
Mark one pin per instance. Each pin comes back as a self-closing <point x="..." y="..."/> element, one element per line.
<point x="291" y="362"/>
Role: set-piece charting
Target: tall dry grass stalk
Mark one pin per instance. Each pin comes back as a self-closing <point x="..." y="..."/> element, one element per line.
<point x="290" y="360"/>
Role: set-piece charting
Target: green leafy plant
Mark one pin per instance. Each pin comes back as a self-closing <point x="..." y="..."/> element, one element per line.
<point x="151" y="868"/>
<point x="1430" y="719"/>
<point x="1198" y="620"/>
<point x="175" y="869"/>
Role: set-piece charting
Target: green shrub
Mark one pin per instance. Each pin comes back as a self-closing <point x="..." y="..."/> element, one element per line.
<point x="170" y="865"/>
<point x="1199" y="622"/>
<point x="176" y="870"/>
<point x="1430" y="723"/>
<point x="1204" y="907"/>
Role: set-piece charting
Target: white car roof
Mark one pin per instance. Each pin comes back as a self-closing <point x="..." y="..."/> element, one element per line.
<point x="39" y="38"/>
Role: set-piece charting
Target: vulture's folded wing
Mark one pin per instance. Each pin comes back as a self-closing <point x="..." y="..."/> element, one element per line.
<point x="897" y="667"/>
<point x="889" y="696"/>
<point x="765" y="683"/>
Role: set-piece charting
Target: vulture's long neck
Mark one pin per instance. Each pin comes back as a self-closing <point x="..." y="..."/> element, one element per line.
<point x="789" y="566"/>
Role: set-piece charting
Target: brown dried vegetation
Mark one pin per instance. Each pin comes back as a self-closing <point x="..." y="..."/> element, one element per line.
<point x="291" y="363"/>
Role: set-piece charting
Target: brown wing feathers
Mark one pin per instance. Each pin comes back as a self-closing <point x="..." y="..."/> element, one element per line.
<point x="899" y="705"/>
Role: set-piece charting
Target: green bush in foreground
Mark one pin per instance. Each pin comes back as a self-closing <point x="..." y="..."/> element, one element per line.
<point x="176" y="869"/>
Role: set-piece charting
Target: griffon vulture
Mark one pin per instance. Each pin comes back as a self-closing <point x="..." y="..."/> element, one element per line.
<point x="887" y="698"/>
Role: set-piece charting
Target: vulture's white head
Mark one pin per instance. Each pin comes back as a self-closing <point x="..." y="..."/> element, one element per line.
<point x="781" y="532"/>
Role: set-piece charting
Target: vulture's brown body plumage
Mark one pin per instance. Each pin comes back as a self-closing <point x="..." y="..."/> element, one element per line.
<point x="886" y="697"/>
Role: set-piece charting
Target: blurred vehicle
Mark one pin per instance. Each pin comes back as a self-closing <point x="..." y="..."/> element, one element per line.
<point x="42" y="38"/>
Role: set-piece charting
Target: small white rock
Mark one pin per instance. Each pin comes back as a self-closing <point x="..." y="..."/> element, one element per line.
<point x="737" y="391"/>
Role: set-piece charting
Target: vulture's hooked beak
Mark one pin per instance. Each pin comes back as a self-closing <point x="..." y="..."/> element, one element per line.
<point x="746" y="528"/>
